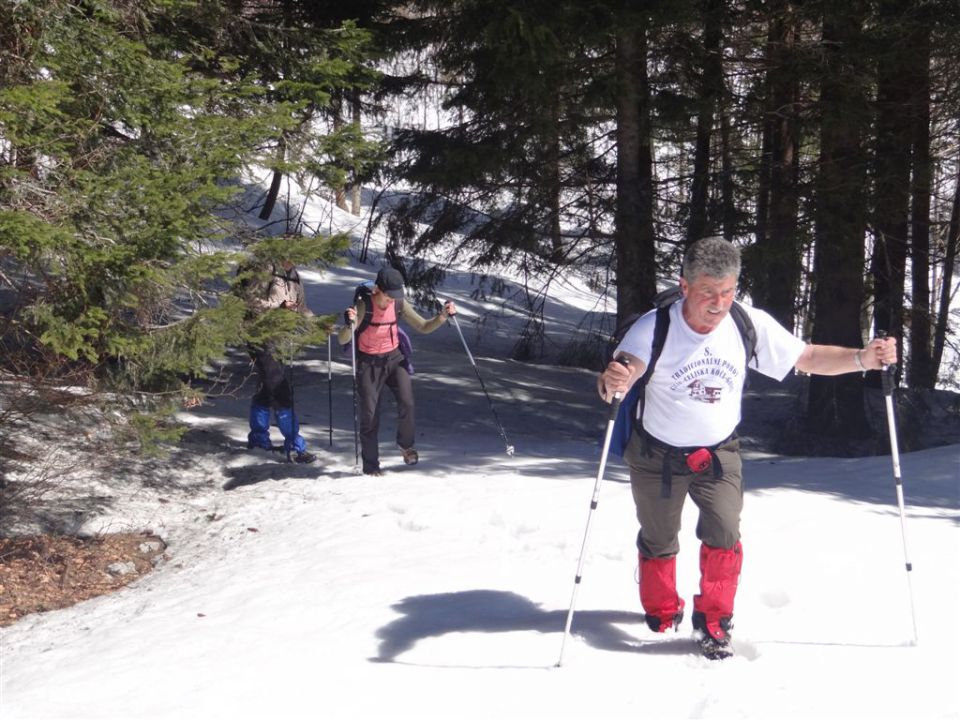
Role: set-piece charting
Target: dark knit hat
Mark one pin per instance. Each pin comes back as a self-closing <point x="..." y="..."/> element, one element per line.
<point x="390" y="281"/>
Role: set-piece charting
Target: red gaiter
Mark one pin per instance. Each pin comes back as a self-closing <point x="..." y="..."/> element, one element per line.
<point x="719" y="575"/>
<point x="658" y="590"/>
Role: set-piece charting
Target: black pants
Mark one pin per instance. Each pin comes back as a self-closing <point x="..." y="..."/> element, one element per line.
<point x="275" y="390"/>
<point x="373" y="373"/>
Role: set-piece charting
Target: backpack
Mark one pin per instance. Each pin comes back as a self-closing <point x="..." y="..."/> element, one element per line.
<point x="364" y="292"/>
<point x="627" y="413"/>
<point x="254" y="279"/>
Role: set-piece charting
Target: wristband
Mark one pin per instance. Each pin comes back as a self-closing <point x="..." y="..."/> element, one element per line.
<point x="858" y="361"/>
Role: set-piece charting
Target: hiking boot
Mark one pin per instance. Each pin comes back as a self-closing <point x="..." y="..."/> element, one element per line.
<point x="714" y="648"/>
<point x="658" y="625"/>
<point x="410" y="456"/>
<point x="713" y="637"/>
<point x="303" y="458"/>
<point x="375" y="472"/>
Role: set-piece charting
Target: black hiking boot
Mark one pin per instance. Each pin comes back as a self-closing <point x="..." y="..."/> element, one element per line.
<point x="656" y="624"/>
<point x="713" y="645"/>
<point x="303" y="458"/>
<point x="714" y="648"/>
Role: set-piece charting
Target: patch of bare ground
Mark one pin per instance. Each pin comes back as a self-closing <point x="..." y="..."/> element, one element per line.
<point x="48" y="572"/>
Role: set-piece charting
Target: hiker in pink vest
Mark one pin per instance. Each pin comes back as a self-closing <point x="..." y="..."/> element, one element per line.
<point x="373" y="322"/>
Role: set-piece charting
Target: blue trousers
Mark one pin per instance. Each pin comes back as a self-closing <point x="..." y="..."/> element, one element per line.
<point x="275" y="392"/>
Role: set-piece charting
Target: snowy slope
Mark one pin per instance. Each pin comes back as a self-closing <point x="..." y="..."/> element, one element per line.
<point x="440" y="590"/>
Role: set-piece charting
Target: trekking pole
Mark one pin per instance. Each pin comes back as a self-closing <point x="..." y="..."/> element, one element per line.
<point x="330" y="386"/>
<point x="288" y="375"/>
<point x="509" y="447"/>
<point x="614" y="409"/>
<point x="886" y="375"/>
<point x="353" y="367"/>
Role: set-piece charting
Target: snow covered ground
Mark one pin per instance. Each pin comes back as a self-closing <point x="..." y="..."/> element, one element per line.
<point x="441" y="590"/>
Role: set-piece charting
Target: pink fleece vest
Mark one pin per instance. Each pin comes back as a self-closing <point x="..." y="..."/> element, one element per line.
<point x="380" y="336"/>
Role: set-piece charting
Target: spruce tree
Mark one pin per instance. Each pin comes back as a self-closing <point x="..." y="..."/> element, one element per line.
<point x="120" y="149"/>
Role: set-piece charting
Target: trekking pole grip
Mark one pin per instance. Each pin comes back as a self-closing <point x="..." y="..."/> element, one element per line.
<point x="615" y="406"/>
<point x="887" y="379"/>
<point x="888" y="373"/>
<point x="618" y="397"/>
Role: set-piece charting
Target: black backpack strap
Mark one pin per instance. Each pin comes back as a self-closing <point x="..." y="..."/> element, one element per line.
<point x="662" y="325"/>
<point x="291" y="275"/>
<point x="660" y="328"/>
<point x="365" y="293"/>
<point x="748" y="333"/>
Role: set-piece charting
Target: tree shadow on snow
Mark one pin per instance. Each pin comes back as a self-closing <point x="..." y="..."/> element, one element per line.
<point x="275" y="467"/>
<point x="495" y="611"/>
<point x="929" y="479"/>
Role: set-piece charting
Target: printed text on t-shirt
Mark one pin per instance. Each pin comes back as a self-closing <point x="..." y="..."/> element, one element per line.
<point x="705" y="378"/>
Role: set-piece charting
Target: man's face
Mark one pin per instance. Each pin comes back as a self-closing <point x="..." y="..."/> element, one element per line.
<point x="707" y="300"/>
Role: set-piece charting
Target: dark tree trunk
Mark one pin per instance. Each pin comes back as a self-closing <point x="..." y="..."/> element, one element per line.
<point x="760" y="235"/>
<point x="892" y="176"/>
<point x="920" y="371"/>
<point x="340" y="193"/>
<point x="355" y="189"/>
<point x="780" y="256"/>
<point x="774" y="263"/>
<point x="270" y="203"/>
<point x="835" y="408"/>
<point x="274" y="192"/>
<point x="711" y="85"/>
<point x="634" y="233"/>
<point x="728" y="202"/>
<point x="554" y="187"/>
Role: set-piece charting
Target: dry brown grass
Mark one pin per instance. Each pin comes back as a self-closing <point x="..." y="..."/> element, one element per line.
<point x="48" y="572"/>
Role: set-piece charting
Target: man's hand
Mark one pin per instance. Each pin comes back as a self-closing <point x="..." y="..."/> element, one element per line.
<point x="879" y="352"/>
<point x="616" y="378"/>
<point x="449" y="308"/>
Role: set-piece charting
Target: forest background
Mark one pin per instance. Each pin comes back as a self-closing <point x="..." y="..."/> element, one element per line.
<point x="597" y="138"/>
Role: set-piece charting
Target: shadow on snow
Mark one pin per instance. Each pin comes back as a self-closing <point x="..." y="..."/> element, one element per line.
<point x="495" y="611"/>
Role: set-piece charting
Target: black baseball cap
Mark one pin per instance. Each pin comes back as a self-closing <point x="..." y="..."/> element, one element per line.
<point x="390" y="281"/>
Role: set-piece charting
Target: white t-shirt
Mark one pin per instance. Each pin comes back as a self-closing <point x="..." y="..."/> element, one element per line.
<point x="693" y="397"/>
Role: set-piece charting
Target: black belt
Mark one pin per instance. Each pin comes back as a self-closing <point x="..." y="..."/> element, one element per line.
<point x="377" y="359"/>
<point x="687" y="453"/>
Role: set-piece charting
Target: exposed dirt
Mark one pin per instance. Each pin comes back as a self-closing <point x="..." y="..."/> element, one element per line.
<point x="48" y="572"/>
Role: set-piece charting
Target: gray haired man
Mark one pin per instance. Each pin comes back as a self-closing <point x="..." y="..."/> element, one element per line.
<point x="687" y="431"/>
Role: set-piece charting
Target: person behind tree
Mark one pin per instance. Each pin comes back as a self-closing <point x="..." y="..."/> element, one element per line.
<point x="374" y="318"/>
<point x="275" y="389"/>
<point x="685" y="442"/>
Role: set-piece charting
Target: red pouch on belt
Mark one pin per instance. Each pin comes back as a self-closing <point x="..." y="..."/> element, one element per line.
<point x="699" y="460"/>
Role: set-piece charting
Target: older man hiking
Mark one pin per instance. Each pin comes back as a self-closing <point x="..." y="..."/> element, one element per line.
<point x="684" y="440"/>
